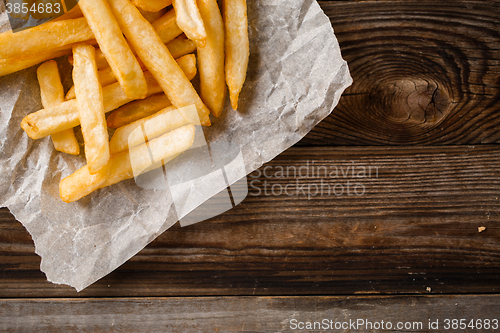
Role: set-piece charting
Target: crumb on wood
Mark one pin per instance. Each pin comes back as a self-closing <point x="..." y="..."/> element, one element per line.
<point x="481" y="229"/>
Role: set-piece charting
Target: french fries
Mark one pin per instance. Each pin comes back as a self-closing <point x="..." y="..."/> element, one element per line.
<point x="189" y="20"/>
<point x="145" y="107"/>
<point x="52" y="92"/>
<point x="9" y="66"/>
<point x="127" y="164"/>
<point x="111" y="42"/>
<point x="237" y="47"/>
<point x="156" y="57"/>
<point x="44" y="38"/>
<point x="211" y="58"/>
<point x="65" y="115"/>
<point x="161" y="122"/>
<point x="178" y="47"/>
<point x="166" y="26"/>
<point x="154" y="104"/>
<point x="91" y="107"/>
<point x="137" y="109"/>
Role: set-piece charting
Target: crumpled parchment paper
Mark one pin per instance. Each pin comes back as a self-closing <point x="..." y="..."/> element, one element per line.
<point x="295" y="78"/>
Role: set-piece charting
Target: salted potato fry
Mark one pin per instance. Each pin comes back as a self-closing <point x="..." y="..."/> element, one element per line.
<point x="132" y="135"/>
<point x="90" y="107"/>
<point x="151" y="5"/>
<point x="100" y="59"/>
<point x="146" y="107"/>
<point x="166" y="26"/>
<point x="137" y="109"/>
<point x="152" y="16"/>
<point x="127" y="164"/>
<point x="65" y="115"/>
<point x="189" y="20"/>
<point x="180" y="47"/>
<point x="211" y="58"/>
<point x="237" y="46"/>
<point x="9" y="66"/>
<point x="112" y="43"/>
<point x="44" y="38"/>
<point x="106" y="77"/>
<point x="52" y="93"/>
<point x="156" y="57"/>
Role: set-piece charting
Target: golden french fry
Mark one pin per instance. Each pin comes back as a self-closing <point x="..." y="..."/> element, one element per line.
<point x="156" y="57"/>
<point x="237" y="46"/>
<point x="44" y="38"/>
<point x="65" y="115"/>
<point x="166" y="26"/>
<point x="132" y="135"/>
<point x="211" y="58"/>
<point x="127" y="164"/>
<point x="9" y="66"/>
<point x="179" y="46"/>
<point x="112" y="43"/>
<point x="152" y="16"/>
<point x="146" y="107"/>
<point x="137" y="109"/>
<point x="100" y="59"/>
<point x="90" y="107"/>
<point x="106" y="77"/>
<point x="151" y="5"/>
<point x="52" y="93"/>
<point x="189" y="20"/>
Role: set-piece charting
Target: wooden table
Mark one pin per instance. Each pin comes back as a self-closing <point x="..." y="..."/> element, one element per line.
<point x="416" y="240"/>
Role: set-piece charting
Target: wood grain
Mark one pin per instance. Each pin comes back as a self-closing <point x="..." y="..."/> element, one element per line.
<point x="425" y="73"/>
<point x="414" y="230"/>
<point x="244" y="314"/>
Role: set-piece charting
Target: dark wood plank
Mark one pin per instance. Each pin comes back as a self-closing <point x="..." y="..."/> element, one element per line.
<point x="425" y="73"/>
<point x="249" y="314"/>
<point x="414" y="230"/>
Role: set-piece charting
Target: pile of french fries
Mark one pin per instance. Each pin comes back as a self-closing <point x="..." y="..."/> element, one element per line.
<point x="133" y="59"/>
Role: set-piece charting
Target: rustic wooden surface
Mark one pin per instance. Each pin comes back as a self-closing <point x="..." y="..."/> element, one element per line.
<point x="426" y="94"/>
<point x="244" y="314"/>
<point x="416" y="226"/>
<point x="425" y="73"/>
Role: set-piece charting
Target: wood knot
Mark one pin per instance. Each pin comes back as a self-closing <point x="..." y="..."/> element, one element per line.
<point x="416" y="101"/>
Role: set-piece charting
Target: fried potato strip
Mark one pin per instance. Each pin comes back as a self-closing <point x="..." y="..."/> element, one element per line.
<point x="52" y="93"/>
<point x="127" y="164"/>
<point x="90" y="107"/>
<point x="156" y="57"/>
<point x="237" y="46"/>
